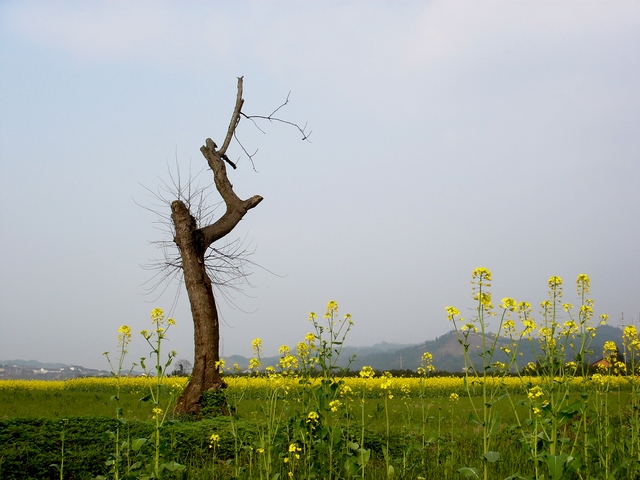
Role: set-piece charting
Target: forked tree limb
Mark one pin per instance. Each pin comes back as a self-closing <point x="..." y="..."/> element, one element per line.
<point x="236" y="207"/>
<point x="235" y="118"/>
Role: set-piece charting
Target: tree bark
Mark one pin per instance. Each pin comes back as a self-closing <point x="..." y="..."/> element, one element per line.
<point x="205" y="375"/>
<point x="193" y="243"/>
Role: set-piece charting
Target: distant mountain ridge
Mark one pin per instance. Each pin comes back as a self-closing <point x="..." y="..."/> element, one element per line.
<point x="446" y="350"/>
<point x="35" y="370"/>
<point x="36" y="364"/>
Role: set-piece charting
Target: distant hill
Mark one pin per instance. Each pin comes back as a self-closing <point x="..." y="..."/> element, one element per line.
<point x="446" y="351"/>
<point x="448" y="354"/>
<point x="35" y="370"/>
<point x="34" y="364"/>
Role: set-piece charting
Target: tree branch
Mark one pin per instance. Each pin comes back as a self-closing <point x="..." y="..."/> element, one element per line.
<point x="235" y="118"/>
<point x="236" y="208"/>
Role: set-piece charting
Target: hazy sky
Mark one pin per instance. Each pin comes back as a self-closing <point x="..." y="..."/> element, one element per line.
<point x="446" y="136"/>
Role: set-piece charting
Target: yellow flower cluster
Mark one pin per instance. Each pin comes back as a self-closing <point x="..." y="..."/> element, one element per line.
<point x="94" y="384"/>
<point x="367" y="372"/>
<point x="630" y="338"/>
<point x="481" y="275"/>
<point x="353" y="386"/>
<point x="426" y="364"/>
<point x="452" y="312"/>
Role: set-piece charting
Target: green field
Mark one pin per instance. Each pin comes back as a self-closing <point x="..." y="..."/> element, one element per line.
<point x="427" y="435"/>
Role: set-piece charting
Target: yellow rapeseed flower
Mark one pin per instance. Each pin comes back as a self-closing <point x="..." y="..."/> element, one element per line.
<point x="509" y="326"/>
<point x="535" y="392"/>
<point x="484" y="298"/>
<point x="284" y="350"/>
<point x="583" y="284"/>
<point x="332" y="306"/>
<point x="334" y="405"/>
<point x="555" y="282"/>
<point x="508" y="304"/>
<point x="254" y="364"/>
<point x="452" y="312"/>
<point x="630" y="337"/>
<point x="220" y="365"/>
<point x="482" y="274"/>
<point x="367" y="372"/>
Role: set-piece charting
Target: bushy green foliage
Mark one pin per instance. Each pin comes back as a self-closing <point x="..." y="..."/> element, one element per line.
<point x="30" y="446"/>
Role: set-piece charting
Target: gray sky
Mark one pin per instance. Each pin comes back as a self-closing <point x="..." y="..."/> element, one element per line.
<point x="446" y="136"/>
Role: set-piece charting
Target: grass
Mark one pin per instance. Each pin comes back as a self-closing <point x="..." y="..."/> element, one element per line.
<point x="63" y="404"/>
<point x="452" y="439"/>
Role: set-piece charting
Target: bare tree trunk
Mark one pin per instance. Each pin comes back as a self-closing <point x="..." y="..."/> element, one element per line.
<point x="193" y="243"/>
<point x="205" y="375"/>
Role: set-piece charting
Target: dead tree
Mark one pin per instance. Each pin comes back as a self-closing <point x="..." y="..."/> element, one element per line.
<point x="193" y="242"/>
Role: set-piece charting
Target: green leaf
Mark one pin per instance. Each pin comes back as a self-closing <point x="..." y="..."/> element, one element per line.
<point x="364" y="456"/>
<point x="390" y="471"/>
<point x="468" y="472"/>
<point x="431" y="439"/>
<point x="173" y="466"/>
<point x="570" y="411"/>
<point x="556" y="464"/>
<point x="138" y="443"/>
<point x="573" y="465"/>
<point x="351" y="466"/>
<point x="491" y="457"/>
